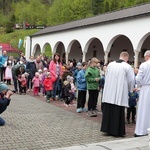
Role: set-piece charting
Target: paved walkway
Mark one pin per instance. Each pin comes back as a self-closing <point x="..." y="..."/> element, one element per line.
<point x="33" y="124"/>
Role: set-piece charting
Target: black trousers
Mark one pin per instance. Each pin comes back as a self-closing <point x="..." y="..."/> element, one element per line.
<point x="113" y="120"/>
<point x="67" y="100"/>
<point x="49" y="94"/>
<point x="92" y="102"/>
<point x="29" y="82"/>
<point x="2" y="73"/>
<point x="81" y="99"/>
<point x="15" y="80"/>
<point x="131" y="109"/>
<point x="22" y="89"/>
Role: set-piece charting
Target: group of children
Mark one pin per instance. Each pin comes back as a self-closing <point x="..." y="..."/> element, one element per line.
<point x="44" y="81"/>
<point x="37" y="82"/>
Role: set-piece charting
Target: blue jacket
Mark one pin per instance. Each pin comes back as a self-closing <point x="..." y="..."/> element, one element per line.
<point x="75" y="74"/>
<point x="3" y="59"/>
<point x="81" y="81"/>
<point x="132" y="98"/>
<point x="4" y="102"/>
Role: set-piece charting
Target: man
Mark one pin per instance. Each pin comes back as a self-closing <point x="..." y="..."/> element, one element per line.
<point x="39" y="63"/>
<point x="3" y="64"/>
<point x="5" y="95"/>
<point x="119" y="80"/>
<point x="22" y="56"/>
<point x="17" y="70"/>
<point x="143" y="81"/>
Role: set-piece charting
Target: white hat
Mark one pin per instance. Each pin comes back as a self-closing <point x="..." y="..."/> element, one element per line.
<point x="40" y="70"/>
<point x="79" y="64"/>
<point x="45" y="69"/>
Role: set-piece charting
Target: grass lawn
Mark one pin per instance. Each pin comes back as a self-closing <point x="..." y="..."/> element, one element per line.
<point x="13" y="38"/>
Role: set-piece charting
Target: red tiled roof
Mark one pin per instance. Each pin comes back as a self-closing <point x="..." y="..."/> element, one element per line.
<point x="9" y="48"/>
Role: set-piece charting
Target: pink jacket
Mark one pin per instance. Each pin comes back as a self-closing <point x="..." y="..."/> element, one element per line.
<point x="36" y="81"/>
<point x="52" y="68"/>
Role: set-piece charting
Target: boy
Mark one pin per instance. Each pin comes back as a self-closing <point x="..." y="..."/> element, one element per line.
<point x="92" y="76"/>
<point x="133" y="97"/>
<point x="82" y="87"/>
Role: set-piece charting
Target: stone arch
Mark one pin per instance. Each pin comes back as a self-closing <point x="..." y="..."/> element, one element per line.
<point x="60" y="48"/>
<point x="36" y="50"/>
<point x="75" y="50"/>
<point x="47" y="50"/>
<point x="143" y="45"/>
<point x="94" y="48"/>
<point x="118" y="44"/>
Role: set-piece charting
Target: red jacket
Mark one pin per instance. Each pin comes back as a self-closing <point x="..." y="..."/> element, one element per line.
<point x="48" y="83"/>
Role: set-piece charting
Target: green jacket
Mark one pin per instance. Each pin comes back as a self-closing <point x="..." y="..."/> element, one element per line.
<point x="90" y="75"/>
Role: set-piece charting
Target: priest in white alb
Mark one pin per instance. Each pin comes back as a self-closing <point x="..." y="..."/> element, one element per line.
<point x="119" y="80"/>
<point x="143" y="111"/>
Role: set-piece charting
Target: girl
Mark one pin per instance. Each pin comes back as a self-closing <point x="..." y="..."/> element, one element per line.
<point x="8" y="72"/>
<point x="73" y="90"/>
<point x="36" y="84"/>
<point x="23" y="84"/>
<point x="48" y="85"/>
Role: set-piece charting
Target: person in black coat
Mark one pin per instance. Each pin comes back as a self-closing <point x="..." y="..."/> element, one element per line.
<point x="5" y="95"/>
<point x="17" y="71"/>
<point x="30" y="69"/>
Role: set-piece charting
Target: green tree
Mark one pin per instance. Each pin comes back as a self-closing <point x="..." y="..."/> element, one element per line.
<point x="106" y="6"/>
<point x="33" y="12"/>
<point x="97" y="6"/>
<point x="69" y="10"/>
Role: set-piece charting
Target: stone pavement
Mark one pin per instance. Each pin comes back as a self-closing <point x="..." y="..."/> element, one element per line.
<point x="140" y="143"/>
<point x="33" y="124"/>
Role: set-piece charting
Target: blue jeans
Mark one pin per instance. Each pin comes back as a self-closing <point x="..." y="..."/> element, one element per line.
<point x="55" y="86"/>
<point x="2" y="122"/>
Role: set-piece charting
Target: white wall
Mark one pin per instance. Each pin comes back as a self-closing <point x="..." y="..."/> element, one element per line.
<point x="134" y="29"/>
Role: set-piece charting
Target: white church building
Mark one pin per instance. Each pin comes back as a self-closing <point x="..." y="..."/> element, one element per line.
<point x="103" y="36"/>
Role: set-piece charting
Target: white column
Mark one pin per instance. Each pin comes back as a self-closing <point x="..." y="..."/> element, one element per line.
<point x="136" y="60"/>
<point x="106" y="57"/>
<point x="27" y="45"/>
<point x="0" y="50"/>
<point x="84" y="57"/>
<point x="67" y="54"/>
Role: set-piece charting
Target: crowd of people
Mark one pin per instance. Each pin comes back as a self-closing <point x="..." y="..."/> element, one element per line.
<point x="121" y="86"/>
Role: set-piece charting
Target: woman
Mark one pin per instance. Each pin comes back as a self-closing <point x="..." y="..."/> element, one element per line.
<point x="55" y="67"/>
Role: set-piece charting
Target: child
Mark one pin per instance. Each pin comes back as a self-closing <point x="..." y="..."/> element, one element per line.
<point x="82" y="88"/>
<point x="36" y="84"/>
<point x="92" y="76"/>
<point x="133" y="97"/>
<point x="67" y="90"/>
<point x="23" y="84"/>
<point x="73" y="90"/>
<point x="8" y="71"/>
<point x="48" y="85"/>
